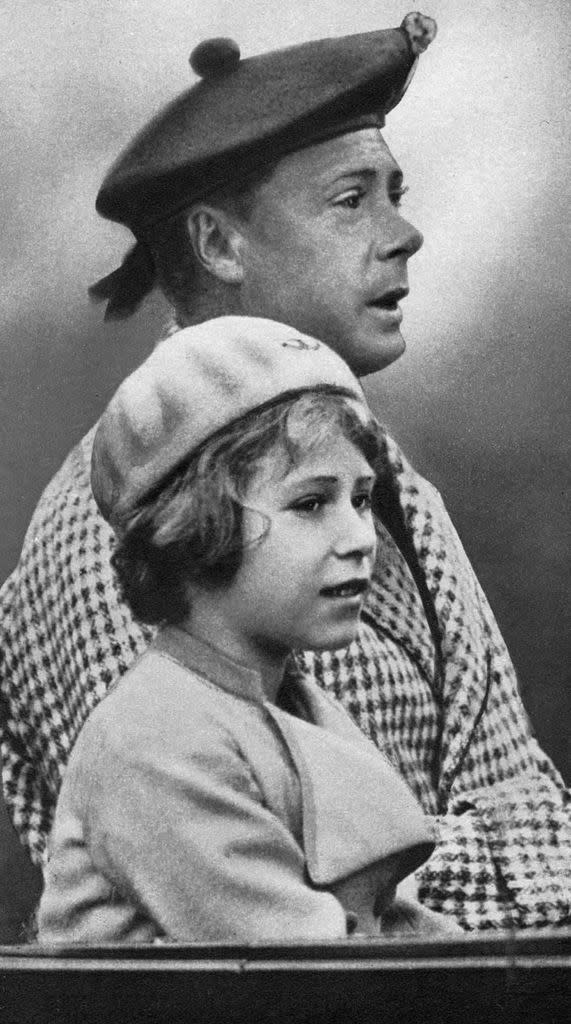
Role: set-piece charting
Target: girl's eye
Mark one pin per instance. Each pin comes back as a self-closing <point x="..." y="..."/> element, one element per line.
<point x="310" y="504"/>
<point x="363" y="502"/>
<point x="397" y="194"/>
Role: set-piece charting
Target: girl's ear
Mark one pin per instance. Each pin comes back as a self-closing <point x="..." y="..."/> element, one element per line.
<point x="216" y="242"/>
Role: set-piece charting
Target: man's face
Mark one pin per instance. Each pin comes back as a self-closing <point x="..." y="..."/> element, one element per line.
<point x="325" y="248"/>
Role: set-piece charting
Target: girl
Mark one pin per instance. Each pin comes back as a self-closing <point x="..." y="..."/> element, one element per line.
<point x="212" y="795"/>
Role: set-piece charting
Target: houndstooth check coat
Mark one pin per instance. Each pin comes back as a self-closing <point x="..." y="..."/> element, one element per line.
<point x="429" y="680"/>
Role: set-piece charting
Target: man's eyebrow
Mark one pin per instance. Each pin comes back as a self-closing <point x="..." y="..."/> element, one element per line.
<point x="395" y="175"/>
<point x="358" y="171"/>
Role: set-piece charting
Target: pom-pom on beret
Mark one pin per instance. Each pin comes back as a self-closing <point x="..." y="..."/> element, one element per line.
<point x="215" y="57"/>
<point x="194" y="384"/>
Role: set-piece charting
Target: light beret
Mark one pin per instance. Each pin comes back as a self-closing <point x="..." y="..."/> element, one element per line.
<point x="194" y="384"/>
<point x="245" y="112"/>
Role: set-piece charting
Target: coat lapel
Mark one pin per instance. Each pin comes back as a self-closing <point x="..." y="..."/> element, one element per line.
<point x="394" y="606"/>
<point x="459" y="623"/>
<point x="356" y="808"/>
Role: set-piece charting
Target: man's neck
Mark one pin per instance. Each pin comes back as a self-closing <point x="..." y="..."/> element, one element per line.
<point x="217" y="299"/>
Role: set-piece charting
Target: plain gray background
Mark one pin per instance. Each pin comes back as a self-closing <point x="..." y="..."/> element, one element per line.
<point x="480" y="399"/>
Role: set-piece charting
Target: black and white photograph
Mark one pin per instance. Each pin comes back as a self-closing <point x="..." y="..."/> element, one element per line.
<point x="285" y="466"/>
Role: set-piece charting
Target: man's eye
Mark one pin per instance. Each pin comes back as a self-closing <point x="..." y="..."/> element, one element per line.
<point x="350" y="200"/>
<point x="397" y="194"/>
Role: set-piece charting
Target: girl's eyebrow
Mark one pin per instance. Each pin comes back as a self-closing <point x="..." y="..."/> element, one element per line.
<point x="324" y="479"/>
<point x="308" y="481"/>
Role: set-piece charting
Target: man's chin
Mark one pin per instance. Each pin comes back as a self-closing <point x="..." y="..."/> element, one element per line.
<point x="386" y="349"/>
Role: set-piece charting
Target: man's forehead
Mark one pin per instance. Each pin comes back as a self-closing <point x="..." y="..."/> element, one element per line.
<point x="351" y="153"/>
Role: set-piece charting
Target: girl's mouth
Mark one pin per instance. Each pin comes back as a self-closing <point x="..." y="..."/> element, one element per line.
<point x="350" y="588"/>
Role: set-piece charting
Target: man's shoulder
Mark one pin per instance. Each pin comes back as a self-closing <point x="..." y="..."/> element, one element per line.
<point x="67" y="547"/>
<point x="69" y="485"/>
<point x="65" y="507"/>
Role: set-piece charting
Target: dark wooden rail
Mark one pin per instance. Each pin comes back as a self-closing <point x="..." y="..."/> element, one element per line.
<point x="502" y="979"/>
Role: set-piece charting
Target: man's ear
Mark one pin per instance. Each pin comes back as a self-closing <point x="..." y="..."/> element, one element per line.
<point x="216" y="242"/>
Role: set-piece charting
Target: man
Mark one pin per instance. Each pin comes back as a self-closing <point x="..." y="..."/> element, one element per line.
<point x="267" y="190"/>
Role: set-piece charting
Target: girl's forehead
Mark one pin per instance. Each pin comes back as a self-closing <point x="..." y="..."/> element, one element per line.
<point x="330" y="456"/>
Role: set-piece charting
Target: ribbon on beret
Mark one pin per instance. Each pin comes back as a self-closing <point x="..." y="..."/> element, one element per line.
<point x="125" y="288"/>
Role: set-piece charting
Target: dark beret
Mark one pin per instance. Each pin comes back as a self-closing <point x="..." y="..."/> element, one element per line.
<point x="240" y="116"/>
<point x="243" y="113"/>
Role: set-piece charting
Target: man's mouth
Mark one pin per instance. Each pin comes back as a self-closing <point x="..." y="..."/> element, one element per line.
<point x="389" y="300"/>
<point x="350" y="588"/>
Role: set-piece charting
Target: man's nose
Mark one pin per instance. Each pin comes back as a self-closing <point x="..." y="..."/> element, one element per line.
<point x="401" y="239"/>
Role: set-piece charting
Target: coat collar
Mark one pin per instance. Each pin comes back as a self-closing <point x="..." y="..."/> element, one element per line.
<point x="210" y="663"/>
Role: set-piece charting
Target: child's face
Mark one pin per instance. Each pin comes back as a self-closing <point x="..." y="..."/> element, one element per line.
<point x="303" y="585"/>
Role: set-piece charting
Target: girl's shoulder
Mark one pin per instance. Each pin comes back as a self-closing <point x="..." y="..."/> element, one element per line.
<point x="161" y="703"/>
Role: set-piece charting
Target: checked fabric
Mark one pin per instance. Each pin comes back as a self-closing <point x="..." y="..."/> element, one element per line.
<point x="429" y="680"/>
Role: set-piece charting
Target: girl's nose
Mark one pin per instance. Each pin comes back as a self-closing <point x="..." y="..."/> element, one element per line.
<point x="356" y="537"/>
